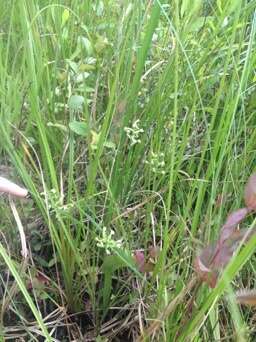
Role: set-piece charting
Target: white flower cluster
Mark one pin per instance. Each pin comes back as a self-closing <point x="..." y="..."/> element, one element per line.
<point x="107" y="242"/>
<point x="157" y="163"/>
<point x="56" y="201"/>
<point x="134" y="132"/>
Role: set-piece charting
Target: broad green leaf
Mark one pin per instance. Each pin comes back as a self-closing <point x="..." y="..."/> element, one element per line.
<point x="111" y="264"/>
<point x="75" y="103"/>
<point x="81" y="77"/>
<point x="85" y="42"/>
<point x="79" y="127"/>
<point x="73" y="65"/>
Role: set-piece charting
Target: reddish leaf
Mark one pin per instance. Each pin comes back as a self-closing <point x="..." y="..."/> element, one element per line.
<point x="223" y="254"/>
<point x="153" y="251"/>
<point x="212" y="259"/>
<point x="225" y="250"/>
<point x="239" y="235"/>
<point x="232" y="222"/>
<point x="250" y="192"/>
<point x="139" y="258"/>
<point x="39" y="280"/>
<point x="216" y="256"/>
<point x="144" y="266"/>
<point x="246" y="297"/>
<point x="205" y="274"/>
<point x="203" y="264"/>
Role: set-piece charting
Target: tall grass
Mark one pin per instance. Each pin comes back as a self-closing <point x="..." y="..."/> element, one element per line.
<point x="137" y="117"/>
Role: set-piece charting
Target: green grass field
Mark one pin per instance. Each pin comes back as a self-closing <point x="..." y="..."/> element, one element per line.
<point x="133" y="126"/>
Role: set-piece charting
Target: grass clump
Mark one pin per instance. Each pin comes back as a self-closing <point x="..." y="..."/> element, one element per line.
<point x="132" y="126"/>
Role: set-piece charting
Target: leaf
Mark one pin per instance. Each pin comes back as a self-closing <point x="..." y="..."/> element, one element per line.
<point x="81" y="77"/>
<point x="236" y="217"/>
<point x="190" y="7"/>
<point x="216" y="256"/>
<point x="223" y="254"/>
<point x="52" y="262"/>
<point x="86" y="67"/>
<point x="57" y="125"/>
<point x="184" y="7"/>
<point x="232" y="222"/>
<point x="87" y="45"/>
<point x="11" y="188"/>
<point x="153" y="251"/>
<point x="99" y="8"/>
<point x="250" y="192"/>
<point x="73" y="65"/>
<point x="202" y="266"/>
<point x="101" y="44"/>
<point x="206" y="275"/>
<point x="146" y="264"/>
<point x="39" y="281"/>
<point x="65" y="17"/>
<point x="139" y="258"/>
<point x="111" y="264"/>
<point x="239" y="235"/>
<point x="79" y="127"/>
<point x="246" y="297"/>
<point x="76" y="102"/>
<point x="95" y="139"/>
<point x="198" y="22"/>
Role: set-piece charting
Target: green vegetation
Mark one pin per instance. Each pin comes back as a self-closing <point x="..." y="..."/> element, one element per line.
<point x="132" y="125"/>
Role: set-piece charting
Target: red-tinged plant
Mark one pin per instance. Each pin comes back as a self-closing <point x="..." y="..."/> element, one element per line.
<point x="216" y="256"/>
<point x="146" y="264"/>
<point x="250" y="192"/>
<point x="139" y="259"/>
<point x="38" y="281"/>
